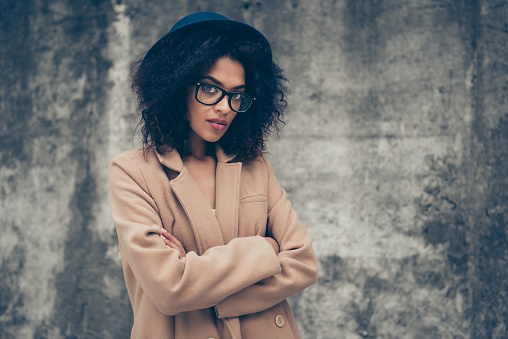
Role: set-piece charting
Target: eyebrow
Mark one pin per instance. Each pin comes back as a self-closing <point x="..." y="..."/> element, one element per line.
<point x="220" y="83"/>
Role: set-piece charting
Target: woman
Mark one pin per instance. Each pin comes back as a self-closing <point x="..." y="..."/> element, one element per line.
<point x="210" y="246"/>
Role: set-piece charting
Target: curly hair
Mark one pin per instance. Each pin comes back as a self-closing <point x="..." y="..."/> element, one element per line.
<point x="161" y="80"/>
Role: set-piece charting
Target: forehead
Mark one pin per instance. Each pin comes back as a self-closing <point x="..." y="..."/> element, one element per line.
<point x="227" y="73"/>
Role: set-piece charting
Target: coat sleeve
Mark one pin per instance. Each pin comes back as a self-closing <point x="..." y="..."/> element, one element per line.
<point x="297" y="259"/>
<point x="172" y="283"/>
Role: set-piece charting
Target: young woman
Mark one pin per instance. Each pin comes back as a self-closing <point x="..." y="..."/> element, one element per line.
<point x="211" y="247"/>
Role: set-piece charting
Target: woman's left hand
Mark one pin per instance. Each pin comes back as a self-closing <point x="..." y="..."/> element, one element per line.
<point x="172" y="242"/>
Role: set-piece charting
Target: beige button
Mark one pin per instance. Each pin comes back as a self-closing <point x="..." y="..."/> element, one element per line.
<point x="279" y="320"/>
<point x="211" y="338"/>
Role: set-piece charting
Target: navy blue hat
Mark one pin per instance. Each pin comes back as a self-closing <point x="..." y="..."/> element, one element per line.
<point x="204" y="20"/>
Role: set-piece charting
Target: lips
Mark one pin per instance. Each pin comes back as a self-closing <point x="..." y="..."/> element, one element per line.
<point x="218" y="124"/>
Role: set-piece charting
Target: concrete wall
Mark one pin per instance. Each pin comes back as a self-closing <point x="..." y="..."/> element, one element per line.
<point x="395" y="155"/>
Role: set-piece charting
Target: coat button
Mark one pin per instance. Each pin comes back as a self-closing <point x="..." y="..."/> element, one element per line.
<point x="279" y="320"/>
<point x="211" y="338"/>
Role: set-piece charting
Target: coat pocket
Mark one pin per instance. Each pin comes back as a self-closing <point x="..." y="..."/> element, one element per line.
<point x="253" y="215"/>
<point x="254" y="198"/>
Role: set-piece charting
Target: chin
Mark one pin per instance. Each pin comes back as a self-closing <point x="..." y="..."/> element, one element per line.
<point x="214" y="137"/>
<point x="211" y="139"/>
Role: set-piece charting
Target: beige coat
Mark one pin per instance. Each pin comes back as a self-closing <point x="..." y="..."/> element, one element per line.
<point x="231" y="284"/>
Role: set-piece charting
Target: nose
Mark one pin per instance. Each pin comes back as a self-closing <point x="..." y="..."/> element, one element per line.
<point x="223" y="106"/>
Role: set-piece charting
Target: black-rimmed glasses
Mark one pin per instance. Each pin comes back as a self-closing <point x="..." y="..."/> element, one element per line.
<point x="208" y="94"/>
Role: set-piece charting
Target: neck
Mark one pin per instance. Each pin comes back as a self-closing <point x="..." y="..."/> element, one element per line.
<point x="198" y="147"/>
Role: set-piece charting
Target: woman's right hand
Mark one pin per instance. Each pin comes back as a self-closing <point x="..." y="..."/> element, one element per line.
<point x="274" y="244"/>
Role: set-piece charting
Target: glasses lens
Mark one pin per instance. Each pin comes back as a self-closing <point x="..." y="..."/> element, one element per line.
<point x="240" y="102"/>
<point x="208" y="94"/>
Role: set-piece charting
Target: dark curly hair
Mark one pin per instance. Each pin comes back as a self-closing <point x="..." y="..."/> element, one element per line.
<point x="178" y="60"/>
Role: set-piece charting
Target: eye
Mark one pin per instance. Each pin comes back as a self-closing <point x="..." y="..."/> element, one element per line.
<point x="208" y="88"/>
<point x="237" y="96"/>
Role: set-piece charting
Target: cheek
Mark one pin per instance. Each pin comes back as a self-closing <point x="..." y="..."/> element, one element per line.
<point x="192" y="107"/>
<point x="194" y="110"/>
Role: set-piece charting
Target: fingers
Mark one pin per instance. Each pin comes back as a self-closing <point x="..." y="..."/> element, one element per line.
<point x="172" y="242"/>
<point x="172" y="238"/>
<point x="168" y="242"/>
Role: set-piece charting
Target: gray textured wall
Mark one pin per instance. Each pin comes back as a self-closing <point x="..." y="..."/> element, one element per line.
<point x="395" y="155"/>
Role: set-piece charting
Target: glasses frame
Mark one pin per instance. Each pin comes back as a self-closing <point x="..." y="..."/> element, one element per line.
<point x="223" y="94"/>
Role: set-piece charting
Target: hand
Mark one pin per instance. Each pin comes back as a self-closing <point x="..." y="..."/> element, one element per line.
<point x="274" y="244"/>
<point x="172" y="242"/>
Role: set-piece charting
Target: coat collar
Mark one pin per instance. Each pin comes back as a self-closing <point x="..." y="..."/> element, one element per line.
<point x="172" y="159"/>
<point x="209" y="230"/>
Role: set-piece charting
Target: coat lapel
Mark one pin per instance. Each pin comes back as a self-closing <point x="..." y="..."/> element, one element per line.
<point x="209" y="230"/>
<point x="227" y="194"/>
<point x="205" y="227"/>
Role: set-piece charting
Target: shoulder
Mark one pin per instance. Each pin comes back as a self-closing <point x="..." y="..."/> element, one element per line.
<point x="134" y="156"/>
<point x="134" y="168"/>
<point x="259" y="163"/>
<point x="134" y="162"/>
<point x="257" y="169"/>
<point x="129" y="155"/>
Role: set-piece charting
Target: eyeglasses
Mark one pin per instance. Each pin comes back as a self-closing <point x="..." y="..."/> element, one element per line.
<point x="208" y="94"/>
